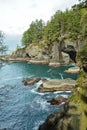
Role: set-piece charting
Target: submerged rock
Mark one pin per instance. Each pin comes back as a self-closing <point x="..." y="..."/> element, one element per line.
<point x="57" y="85"/>
<point x="31" y="81"/>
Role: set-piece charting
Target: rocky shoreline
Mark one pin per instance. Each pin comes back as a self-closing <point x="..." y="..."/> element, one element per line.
<point x="69" y="118"/>
<point x="72" y="70"/>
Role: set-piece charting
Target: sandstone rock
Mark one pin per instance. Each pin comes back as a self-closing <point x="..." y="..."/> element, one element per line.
<point x="31" y="81"/>
<point x="57" y="85"/>
<point x="55" y="53"/>
<point x="19" y="53"/>
<point x="66" y="58"/>
<point x="39" y="61"/>
<point x="55" y="64"/>
<point x="73" y="70"/>
<point x="37" y="52"/>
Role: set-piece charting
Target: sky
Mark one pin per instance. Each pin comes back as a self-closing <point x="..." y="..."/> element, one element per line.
<point x="17" y="15"/>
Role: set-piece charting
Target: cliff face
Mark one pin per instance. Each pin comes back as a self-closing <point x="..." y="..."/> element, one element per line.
<point x="43" y="51"/>
<point x="73" y="115"/>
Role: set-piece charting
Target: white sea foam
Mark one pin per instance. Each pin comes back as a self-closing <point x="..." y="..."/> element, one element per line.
<point x="37" y="123"/>
<point x="44" y="105"/>
<point x="72" y="64"/>
<point x="62" y="92"/>
<point x="13" y="78"/>
<point x="61" y="75"/>
<point x="49" y="70"/>
<point x="64" y="95"/>
<point x="58" y="92"/>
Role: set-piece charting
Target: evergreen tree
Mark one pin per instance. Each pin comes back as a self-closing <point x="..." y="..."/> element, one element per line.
<point x="3" y="47"/>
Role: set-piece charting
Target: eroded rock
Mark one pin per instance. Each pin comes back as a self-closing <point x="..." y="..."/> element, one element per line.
<point x="57" y="85"/>
<point x="31" y="81"/>
<point x="73" y="70"/>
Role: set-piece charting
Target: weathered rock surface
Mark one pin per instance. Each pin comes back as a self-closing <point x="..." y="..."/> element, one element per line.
<point x="39" y="61"/>
<point x="31" y="81"/>
<point x="40" y="53"/>
<point x="67" y="119"/>
<point x="19" y="53"/>
<point x="37" y="52"/>
<point x="55" y="64"/>
<point x="73" y="70"/>
<point x="57" y="101"/>
<point x="57" y="85"/>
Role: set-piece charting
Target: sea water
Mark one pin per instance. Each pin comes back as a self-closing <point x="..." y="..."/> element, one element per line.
<point x="22" y="107"/>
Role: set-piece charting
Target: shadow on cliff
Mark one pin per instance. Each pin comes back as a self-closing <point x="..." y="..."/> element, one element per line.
<point x="70" y="50"/>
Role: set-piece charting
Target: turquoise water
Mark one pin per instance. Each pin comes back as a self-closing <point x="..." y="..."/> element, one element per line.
<point x="22" y="107"/>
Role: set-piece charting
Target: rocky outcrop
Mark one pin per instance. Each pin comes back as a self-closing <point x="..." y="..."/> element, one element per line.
<point x="57" y="85"/>
<point x="31" y="81"/>
<point x="57" y="101"/>
<point x="37" y="52"/>
<point x="73" y="70"/>
<point x="41" y="53"/>
<point x="67" y="119"/>
<point x="19" y="53"/>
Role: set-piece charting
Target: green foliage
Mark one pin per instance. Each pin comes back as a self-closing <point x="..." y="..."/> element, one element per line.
<point x="3" y="47"/>
<point x="34" y="33"/>
<point x="71" y="24"/>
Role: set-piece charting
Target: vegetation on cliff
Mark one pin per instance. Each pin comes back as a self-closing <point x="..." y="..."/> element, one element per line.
<point x="70" y="25"/>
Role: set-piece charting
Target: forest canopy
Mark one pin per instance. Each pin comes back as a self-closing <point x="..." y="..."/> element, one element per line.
<point x="71" y="24"/>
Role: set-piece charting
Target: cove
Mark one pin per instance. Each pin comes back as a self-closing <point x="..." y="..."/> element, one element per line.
<point x="22" y="107"/>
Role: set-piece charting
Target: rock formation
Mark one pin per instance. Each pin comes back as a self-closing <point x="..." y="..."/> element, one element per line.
<point x="31" y="81"/>
<point x="67" y="119"/>
<point x="71" y="51"/>
<point x="57" y="85"/>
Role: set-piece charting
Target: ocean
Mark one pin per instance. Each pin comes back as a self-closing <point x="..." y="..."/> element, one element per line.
<point x="23" y="107"/>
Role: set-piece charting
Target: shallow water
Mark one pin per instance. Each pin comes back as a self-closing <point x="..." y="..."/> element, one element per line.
<point x="22" y="107"/>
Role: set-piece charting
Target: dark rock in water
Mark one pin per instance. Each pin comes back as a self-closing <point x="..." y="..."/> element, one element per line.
<point x="31" y="81"/>
<point x="67" y="119"/>
<point x="57" y="101"/>
<point x="71" y="51"/>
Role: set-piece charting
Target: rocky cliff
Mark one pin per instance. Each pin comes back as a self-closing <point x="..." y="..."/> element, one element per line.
<point x="73" y="114"/>
<point x="43" y="52"/>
